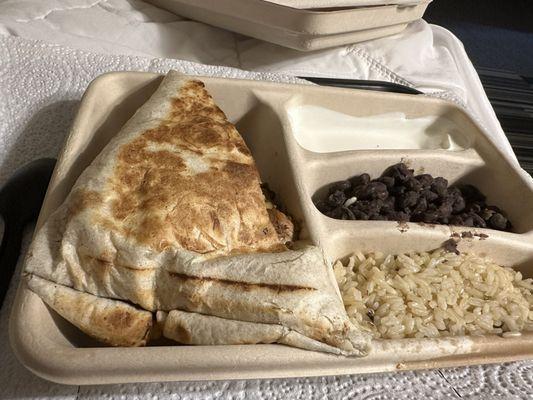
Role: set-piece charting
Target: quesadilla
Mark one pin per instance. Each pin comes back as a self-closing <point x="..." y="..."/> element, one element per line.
<point x="110" y="321"/>
<point x="171" y="217"/>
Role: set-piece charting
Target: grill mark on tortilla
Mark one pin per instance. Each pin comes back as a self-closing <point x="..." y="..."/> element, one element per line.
<point x="110" y="263"/>
<point x="243" y="285"/>
<point x="160" y="200"/>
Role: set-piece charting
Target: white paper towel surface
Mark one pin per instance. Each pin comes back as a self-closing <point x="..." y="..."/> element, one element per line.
<point x="40" y="89"/>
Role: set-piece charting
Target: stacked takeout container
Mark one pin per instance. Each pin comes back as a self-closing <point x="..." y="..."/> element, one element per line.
<point x="303" y="24"/>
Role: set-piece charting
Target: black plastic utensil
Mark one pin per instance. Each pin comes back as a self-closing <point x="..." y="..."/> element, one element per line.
<point x="20" y="201"/>
<point x="380" y="86"/>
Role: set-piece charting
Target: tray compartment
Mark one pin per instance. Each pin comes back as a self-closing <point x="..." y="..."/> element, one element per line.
<point x="503" y="186"/>
<point x="339" y="238"/>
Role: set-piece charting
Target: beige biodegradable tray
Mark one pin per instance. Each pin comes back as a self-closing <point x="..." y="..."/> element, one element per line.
<point x="55" y="350"/>
<point x="299" y="29"/>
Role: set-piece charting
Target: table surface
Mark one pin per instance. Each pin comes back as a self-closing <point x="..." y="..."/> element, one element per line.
<point x="41" y="83"/>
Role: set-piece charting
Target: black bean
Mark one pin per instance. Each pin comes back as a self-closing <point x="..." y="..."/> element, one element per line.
<point x="498" y="221"/>
<point x="397" y="190"/>
<point x="478" y="221"/>
<point x="417" y="216"/>
<point x="456" y="220"/>
<point x="360" y="180"/>
<point x="472" y="193"/>
<point x="425" y="180"/>
<point x="322" y="206"/>
<point x="335" y="213"/>
<point x="430" y="216"/>
<point x="445" y="210"/>
<point x="347" y="214"/>
<point x="473" y="208"/>
<point x="496" y="209"/>
<point x="413" y="185"/>
<point x="374" y="190"/>
<point x="388" y="204"/>
<point x="361" y="205"/>
<point x="421" y="205"/>
<point x="337" y="198"/>
<point x="429" y="195"/>
<point x="357" y="191"/>
<point x="376" y="205"/>
<point x="458" y="204"/>
<point x="387" y="181"/>
<point x="407" y="200"/>
<point x="454" y="192"/>
<point x="439" y="186"/>
<point x="343" y="186"/>
<point x="468" y="220"/>
<point x="487" y="213"/>
<point x="399" y="172"/>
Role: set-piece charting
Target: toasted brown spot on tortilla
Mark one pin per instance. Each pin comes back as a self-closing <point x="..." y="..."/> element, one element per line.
<point x="241" y="170"/>
<point x="120" y="319"/>
<point x="241" y="147"/>
<point x="83" y="199"/>
<point x="205" y="202"/>
<point x="240" y="284"/>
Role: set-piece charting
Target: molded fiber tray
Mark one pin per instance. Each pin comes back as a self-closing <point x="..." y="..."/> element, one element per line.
<point x="300" y="29"/>
<point x="55" y="350"/>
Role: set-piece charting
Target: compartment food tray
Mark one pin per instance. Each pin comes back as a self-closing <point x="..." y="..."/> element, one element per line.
<point x="57" y="351"/>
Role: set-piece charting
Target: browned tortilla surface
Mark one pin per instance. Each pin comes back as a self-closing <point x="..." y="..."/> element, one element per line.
<point x="171" y="216"/>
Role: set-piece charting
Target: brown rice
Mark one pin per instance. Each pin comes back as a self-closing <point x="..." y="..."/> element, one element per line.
<point x="434" y="294"/>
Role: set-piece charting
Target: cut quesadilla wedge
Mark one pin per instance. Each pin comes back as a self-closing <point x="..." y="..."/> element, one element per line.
<point x="109" y="321"/>
<point x="171" y="216"/>
<point x="200" y="329"/>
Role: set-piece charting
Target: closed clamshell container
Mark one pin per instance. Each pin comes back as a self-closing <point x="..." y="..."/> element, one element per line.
<point x="55" y="350"/>
<point x="301" y="29"/>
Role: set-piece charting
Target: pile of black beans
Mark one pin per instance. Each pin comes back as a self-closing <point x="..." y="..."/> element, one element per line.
<point x="400" y="195"/>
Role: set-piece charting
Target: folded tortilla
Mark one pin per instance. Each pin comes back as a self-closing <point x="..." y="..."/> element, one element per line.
<point x="199" y="329"/>
<point x="109" y="321"/>
<point x="171" y="216"/>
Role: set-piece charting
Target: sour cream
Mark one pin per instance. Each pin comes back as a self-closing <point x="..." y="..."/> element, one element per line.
<point x="323" y="130"/>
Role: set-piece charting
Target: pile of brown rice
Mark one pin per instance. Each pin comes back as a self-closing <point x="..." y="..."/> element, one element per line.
<point x="434" y="294"/>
